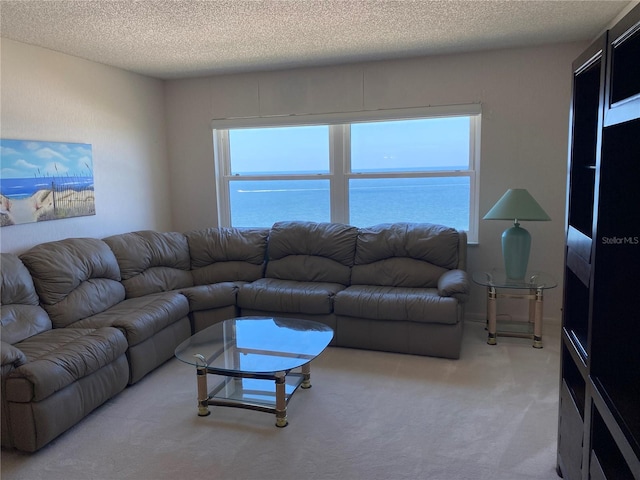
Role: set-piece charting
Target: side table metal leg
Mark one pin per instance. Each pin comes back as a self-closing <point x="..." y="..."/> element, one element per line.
<point x="532" y="306"/>
<point x="491" y="315"/>
<point x="537" y="324"/>
<point x="281" y="401"/>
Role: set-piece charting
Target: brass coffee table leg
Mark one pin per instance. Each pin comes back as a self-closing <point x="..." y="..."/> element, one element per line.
<point x="281" y="401"/>
<point x="306" y="372"/>
<point x="203" y="394"/>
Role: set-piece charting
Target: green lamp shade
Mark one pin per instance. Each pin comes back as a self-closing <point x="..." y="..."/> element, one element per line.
<point x="516" y="204"/>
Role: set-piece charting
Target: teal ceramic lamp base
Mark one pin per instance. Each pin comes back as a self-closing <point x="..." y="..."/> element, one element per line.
<point x="516" y="245"/>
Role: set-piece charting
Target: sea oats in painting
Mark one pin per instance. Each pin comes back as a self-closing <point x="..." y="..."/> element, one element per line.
<point x="45" y="181"/>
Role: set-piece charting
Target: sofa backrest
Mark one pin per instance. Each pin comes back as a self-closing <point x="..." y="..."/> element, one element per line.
<point x="406" y="254"/>
<point x="74" y="278"/>
<point x="227" y="254"/>
<point x="311" y="252"/>
<point x="151" y="262"/>
<point x="20" y="313"/>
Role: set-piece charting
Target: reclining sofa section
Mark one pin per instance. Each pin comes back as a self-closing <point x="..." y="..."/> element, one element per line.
<point x="78" y="281"/>
<point x="407" y="290"/>
<point x="51" y="377"/>
<point x="82" y="318"/>
<point x="393" y="287"/>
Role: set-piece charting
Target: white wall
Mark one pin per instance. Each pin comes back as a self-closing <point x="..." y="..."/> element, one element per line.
<point x="525" y="97"/>
<point x="50" y="96"/>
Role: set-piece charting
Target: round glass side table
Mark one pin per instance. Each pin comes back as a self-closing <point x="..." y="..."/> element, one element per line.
<point x="535" y="283"/>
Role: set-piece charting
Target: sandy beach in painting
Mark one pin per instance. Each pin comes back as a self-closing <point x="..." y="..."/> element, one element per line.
<point x="40" y="206"/>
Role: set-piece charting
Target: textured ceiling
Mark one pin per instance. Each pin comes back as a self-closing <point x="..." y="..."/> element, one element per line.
<point x="175" y="38"/>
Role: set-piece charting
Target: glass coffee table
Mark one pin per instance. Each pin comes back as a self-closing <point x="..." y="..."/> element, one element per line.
<point x="535" y="283"/>
<point x="254" y="358"/>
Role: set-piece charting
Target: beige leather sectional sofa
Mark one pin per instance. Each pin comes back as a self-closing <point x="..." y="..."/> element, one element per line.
<point x="82" y="318"/>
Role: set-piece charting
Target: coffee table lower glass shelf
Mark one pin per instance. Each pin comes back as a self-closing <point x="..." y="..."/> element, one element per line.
<point x="254" y="359"/>
<point x="252" y="391"/>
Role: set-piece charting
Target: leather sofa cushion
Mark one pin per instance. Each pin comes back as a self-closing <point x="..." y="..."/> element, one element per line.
<point x="311" y="252"/>
<point x="20" y="316"/>
<point x="151" y="262"/>
<point x="74" y="278"/>
<point x="307" y="268"/>
<point x="230" y="271"/>
<point x="215" y="245"/>
<point x="273" y="295"/>
<point x="140" y="318"/>
<point x="331" y="240"/>
<point x="205" y="297"/>
<point x="156" y="280"/>
<point x="435" y="244"/>
<point x="59" y="357"/>
<point x="90" y="298"/>
<point x="397" y="272"/>
<point x="16" y="284"/>
<point x="227" y="254"/>
<point x="396" y="303"/>
<point x="18" y="322"/>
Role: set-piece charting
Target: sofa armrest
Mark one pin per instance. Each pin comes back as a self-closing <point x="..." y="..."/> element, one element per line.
<point x="454" y="283"/>
<point x="12" y="355"/>
<point x="206" y="297"/>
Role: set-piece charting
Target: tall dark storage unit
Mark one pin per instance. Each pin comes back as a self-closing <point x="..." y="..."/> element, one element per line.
<point x="599" y="421"/>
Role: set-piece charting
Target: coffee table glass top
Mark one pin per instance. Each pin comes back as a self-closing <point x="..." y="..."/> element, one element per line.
<point x="256" y="345"/>
<point x="498" y="278"/>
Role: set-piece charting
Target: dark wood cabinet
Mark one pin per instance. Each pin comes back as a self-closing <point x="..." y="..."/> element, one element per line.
<point x="599" y="420"/>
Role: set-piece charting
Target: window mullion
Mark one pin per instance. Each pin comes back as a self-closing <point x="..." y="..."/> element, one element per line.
<point x="339" y="150"/>
<point x="474" y="180"/>
<point x="223" y="167"/>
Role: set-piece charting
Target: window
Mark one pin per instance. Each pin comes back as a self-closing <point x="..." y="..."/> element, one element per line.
<point x="405" y="167"/>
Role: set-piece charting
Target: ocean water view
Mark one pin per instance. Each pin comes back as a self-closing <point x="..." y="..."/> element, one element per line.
<point x="19" y="188"/>
<point x="442" y="200"/>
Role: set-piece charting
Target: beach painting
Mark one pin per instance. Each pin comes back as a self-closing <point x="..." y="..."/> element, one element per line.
<point x="42" y="181"/>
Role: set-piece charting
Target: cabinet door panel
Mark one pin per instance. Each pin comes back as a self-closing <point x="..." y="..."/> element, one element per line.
<point x="570" y="437"/>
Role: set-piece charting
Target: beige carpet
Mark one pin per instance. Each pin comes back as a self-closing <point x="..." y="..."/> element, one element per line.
<point x="370" y="415"/>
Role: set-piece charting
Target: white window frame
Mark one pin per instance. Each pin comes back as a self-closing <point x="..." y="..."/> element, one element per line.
<point x="339" y="155"/>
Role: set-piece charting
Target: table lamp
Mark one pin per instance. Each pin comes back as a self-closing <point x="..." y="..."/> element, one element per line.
<point x="516" y="204"/>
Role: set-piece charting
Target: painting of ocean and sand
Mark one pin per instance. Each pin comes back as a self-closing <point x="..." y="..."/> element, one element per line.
<point x="42" y="181"/>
